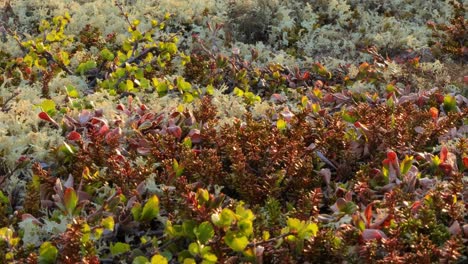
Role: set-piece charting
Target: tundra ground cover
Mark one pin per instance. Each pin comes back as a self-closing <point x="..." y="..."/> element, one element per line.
<point x="177" y="132"/>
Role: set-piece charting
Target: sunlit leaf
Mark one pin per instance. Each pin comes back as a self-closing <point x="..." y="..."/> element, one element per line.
<point x="151" y="209"/>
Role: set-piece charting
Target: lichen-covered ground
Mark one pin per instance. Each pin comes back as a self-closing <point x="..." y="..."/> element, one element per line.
<point x="233" y="131"/>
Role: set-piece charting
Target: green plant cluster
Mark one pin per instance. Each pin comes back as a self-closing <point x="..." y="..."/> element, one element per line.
<point x="327" y="173"/>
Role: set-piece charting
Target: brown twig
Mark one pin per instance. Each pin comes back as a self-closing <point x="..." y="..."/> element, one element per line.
<point x="5" y="107"/>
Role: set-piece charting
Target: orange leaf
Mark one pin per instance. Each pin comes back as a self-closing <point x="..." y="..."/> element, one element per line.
<point x="434" y="112"/>
<point x="368" y="213"/>
<point x="443" y="154"/>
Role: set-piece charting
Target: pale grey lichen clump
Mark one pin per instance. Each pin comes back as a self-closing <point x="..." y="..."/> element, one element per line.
<point x="324" y="30"/>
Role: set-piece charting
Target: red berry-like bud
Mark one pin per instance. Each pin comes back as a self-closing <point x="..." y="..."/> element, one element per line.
<point x="44" y="116"/>
<point x="434" y="112"/>
<point x="465" y="162"/>
<point x="74" y="135"/>
<point x="392" y="156"/>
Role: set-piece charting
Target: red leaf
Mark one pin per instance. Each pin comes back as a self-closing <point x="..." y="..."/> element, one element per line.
<point x="70" y="199"/>
<point x="446" y="168"/>
<point x="287" y="115"/>
<point x="34" y="220"/>
<point x="143" y="151"/>
<point x="318" y="84"/>
<point x="443" y="154"/>
<point x="103" y="130"/>
<point x="392" y="156"/>
<point x="74" y="136"/>
<point x="368" y="213"/>
<point x="175" y="131"/>
<point x="415" y="207"/>
<point x="45" y="116"/>
<point x="121" y="107"/>
<point x="328" y="98"/>
<point x="371" y="234"/>
<point x="465" y="162"/>
<point x="455" y="228"/>
<point x="386" y="162"/>
<point x="195" y="136"/>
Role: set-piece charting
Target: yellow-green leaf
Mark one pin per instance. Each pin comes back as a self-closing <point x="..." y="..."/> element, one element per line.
<point x="119" y="248"/>
<point x="48" y="106"/>
<point x="158" y="259"/>
<point x="151" y="209"/>
<point x="281" y="124"/>
<point x="108" y="223"/>
<point x="47" y="253"/>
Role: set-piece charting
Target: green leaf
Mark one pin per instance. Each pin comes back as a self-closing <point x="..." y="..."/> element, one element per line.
<point x="245" y="226"/>
<point x="108" y="223"/>
<point x="171" y="48"/>
<point x="189" y="261"/>
<point x="308" y="231"/>
<point x="151" y="209"/>
<point x="237" y="91"/>
<point x="161" y="87"/>
<point x="223" y="219"/>
<point x="28" y="60"/>
<point x="187" y="97"/>
<point x="183" y="85"/>
<point x="158" y="259"/>
<point x="6" y="234"/>
<point x="243" y="213"/>
<point x="107" y="54"/>
<point x="129" y="86"/>
<point x="136" y="22"/>
<point x="67" y="149"/>
<point x="119" y="73"/>
<point x="188" y="228"/>
<point x="65" y="58"/>
<point x="194" y="249"/>
<point x="405" y="165"/>
<point x="294" y="224"/>
<point x="450" y="103"/>
<point x="47" y="253"/>
<point x="281" y="125"/>
<point x="349" y="208"/>
<point x="187" y="142"/>
<point x="40" y="48"/>
<point x="85" y="67"/>
<point x="136" y="211"/>
<point x="202" y="195"/>
<point x="210" y="89"/>
<point x="70" y="199"/>
<point x="209" y="258"/>
<point x="348" y="117"/>
<point x="140" y="260"/>
<point x="48" y="106"/>
<point x="3" y="198"/>
<point x="72" y="91"/>
<point x="236" y="243"/>
<point x="204" y="232"/>
<point x="119" y="248"/>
